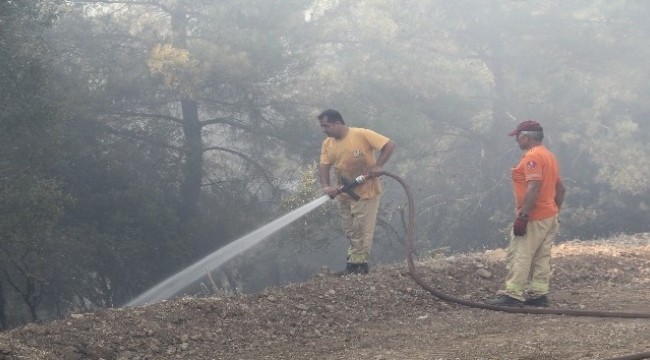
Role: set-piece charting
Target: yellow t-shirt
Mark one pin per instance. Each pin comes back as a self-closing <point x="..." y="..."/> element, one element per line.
<point x="537" y="164"/>
<point x="354" y="155"/>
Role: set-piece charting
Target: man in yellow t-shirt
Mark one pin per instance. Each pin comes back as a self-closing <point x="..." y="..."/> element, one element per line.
<point x="539" y="194"/>
<point x="351" y="152"/>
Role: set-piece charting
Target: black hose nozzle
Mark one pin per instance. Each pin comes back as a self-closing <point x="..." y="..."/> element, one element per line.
<point x="348" y="186"/>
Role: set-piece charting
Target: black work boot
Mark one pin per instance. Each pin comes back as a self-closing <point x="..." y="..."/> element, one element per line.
<point x="541" y="301"/>
<point x="352" y="268"/>
<point x="349" y="270"/>
<point x="505" y="300"/>
<point x="364" y="269"/>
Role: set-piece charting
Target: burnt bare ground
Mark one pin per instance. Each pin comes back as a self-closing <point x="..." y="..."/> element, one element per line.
<point x="384" y="315"/>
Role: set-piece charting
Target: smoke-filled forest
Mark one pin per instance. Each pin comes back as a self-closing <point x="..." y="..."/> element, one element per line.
<point x="138" y="136"/>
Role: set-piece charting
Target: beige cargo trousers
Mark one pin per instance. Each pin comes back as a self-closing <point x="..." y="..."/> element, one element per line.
<point x="358" y="220"/>
<point x="529" y="259"/>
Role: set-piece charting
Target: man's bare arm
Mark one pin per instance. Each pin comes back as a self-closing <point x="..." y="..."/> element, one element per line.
<point x="532" y="192"/>
<point x="384" y="155"/>
<point x="324" y="176"/>
<point x="559" y="193"/>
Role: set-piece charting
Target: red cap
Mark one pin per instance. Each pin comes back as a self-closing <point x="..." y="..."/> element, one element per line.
<point x="528" y="125"/>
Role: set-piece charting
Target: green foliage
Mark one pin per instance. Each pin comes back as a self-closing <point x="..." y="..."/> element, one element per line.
<point x="459" y="75"/>
<point x="174" y="65"/>
<point x="312" y="232"/>
<point x="32" y="198"/>
<point x="100" y="143"/>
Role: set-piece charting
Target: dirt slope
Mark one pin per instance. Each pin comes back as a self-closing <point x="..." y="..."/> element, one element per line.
<point x="384" y="315"/>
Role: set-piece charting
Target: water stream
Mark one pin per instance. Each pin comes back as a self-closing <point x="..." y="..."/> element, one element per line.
<point x="174" y="284"/>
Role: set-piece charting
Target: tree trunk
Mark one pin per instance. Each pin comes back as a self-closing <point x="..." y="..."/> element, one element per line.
<point x="3" y="315"/>
<point x="32" y="299"/>
<point x="193" y="167"/>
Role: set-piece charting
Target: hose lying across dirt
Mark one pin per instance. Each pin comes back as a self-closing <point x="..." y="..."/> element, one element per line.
<point x="520" y="310"/>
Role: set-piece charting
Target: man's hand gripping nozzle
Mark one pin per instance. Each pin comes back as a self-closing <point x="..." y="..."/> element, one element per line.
<point x="348" y="186"/>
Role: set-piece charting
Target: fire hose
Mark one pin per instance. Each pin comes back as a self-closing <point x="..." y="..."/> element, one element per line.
<point x="521" y="310"/>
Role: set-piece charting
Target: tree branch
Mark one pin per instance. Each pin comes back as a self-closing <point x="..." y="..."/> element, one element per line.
<point x="243" y="156"/>
<point x="148" y="116"/>
<point x="131" y="135"/>
<point x="229" y="120"/>
<point x="145" y="3"/>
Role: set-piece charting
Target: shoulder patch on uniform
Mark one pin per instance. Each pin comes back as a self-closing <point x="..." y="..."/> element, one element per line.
<point x="531" y="165"/>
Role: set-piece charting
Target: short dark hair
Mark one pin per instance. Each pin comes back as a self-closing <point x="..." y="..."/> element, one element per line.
<point x="332" y="116"/>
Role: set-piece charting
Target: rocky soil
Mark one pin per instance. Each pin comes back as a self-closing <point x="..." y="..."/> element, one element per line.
<point x="381" y="316"/>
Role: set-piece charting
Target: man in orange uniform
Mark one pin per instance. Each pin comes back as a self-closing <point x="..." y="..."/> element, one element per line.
<point x="539" y="194"/>
<point x="351" y="151"/>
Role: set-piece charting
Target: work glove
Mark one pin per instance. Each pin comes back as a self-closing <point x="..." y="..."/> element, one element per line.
<point x="521" y="222"/>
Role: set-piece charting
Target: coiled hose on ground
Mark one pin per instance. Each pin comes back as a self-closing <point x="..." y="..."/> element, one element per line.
<point x="520" y="310"/>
